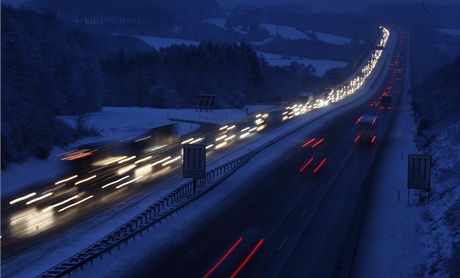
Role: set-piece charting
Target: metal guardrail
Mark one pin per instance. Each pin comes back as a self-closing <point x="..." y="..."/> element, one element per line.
<point x="167" y="206"/>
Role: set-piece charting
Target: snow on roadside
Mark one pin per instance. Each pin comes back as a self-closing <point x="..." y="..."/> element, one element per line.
<point x="390" y="243"/>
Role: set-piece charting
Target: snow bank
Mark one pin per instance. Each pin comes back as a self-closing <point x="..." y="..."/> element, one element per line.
<point x="321" y="66"/>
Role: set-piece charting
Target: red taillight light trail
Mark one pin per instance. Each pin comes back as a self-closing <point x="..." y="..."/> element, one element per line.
<point x="373" y="139"/>
<point x="373" y="120"/>
<point x="306" y="164"/>
<point x="223" y="258"/>
<point x="246" y="260"/>
<point x="319" y="166"/>
<point x="357" y="138"/>
<point x="308" y="142"/>
<point x="360" y="118"/>
<point x="317" y="143"/>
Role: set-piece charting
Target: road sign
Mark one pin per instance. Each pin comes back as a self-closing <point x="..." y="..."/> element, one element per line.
<point x="419" y="172"/>
<point x="194" y="161"/>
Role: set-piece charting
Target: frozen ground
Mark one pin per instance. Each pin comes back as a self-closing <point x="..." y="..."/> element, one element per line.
<point x="441" y="218"/>
<point x="321" y="66"/>
<point x="390" y="244"/>
<point x="114" y="123"/>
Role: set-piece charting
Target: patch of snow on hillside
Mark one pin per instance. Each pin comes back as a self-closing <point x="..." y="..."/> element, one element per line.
<point x="321" y="66"/>
<point x="332" y="39"/>
<point x="286" y="32"/>
<point x="162" y="42"/>
<point x="217" y="21"/>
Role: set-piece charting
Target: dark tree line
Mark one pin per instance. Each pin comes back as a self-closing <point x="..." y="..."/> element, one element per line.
<point x="436" y="100"/>
<point x="47" y="70"/>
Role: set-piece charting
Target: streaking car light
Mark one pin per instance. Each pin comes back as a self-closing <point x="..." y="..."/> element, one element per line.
<point x="60" y="203"/>
<point x="161" y="161"/>
<point x="76" y="203"/>
<point x="197" y="140"/>
<point x="220" y="138"/>
<point x="23" y="198"/>
<point x="114" y="182"/>
<point x="39" y="198"/>
<point x="218" y="146"/>
<point x="171" y="161"/>
<point x="85" y="180"/>
<point x="66" y="180"/>
<point x="187" y="141"/>
<point x="128" y="182"/>
<point x="126" y="169"/>
<point x="127" y="159"/>
<point x="143" y="159"/>
<point x="142" y="139"/>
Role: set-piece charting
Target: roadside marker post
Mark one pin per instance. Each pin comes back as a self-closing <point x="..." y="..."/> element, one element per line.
<point x="194" y="162"/>
<point x="419" y="174"/>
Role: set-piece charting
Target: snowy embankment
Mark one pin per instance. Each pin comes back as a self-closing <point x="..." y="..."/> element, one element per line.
<point x="441" y="218"/>
<point x="321" y="66"/>
<point x="114" y="124"/>
<point x="390" y="243"/>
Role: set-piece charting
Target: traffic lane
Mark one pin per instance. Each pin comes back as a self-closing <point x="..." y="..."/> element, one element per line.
<point x="315" y="250"/>
<point x="66" y="191"/>
<point x="209" y="244"/>
<point x="56" y="225"/>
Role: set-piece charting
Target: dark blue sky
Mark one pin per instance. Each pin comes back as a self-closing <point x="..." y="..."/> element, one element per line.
<point x="330" y="5"/>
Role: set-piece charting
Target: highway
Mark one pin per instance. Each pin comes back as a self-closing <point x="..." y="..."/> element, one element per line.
<point x="295" y="220"/>
<point x="261" y="219"/>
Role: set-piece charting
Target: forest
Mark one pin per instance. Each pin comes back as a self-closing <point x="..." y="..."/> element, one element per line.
<point x="53" y="68"/>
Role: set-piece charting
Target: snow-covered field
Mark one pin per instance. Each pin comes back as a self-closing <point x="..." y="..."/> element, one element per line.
<point x="161" y="42"/>
<point x="332" y="39"/>
<point x="283" y="31"/>
<point x="321" y="66"/>
<point x="114" y="124"/>
<point x="287" y="32"/>
<point x="451" y="32"/>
